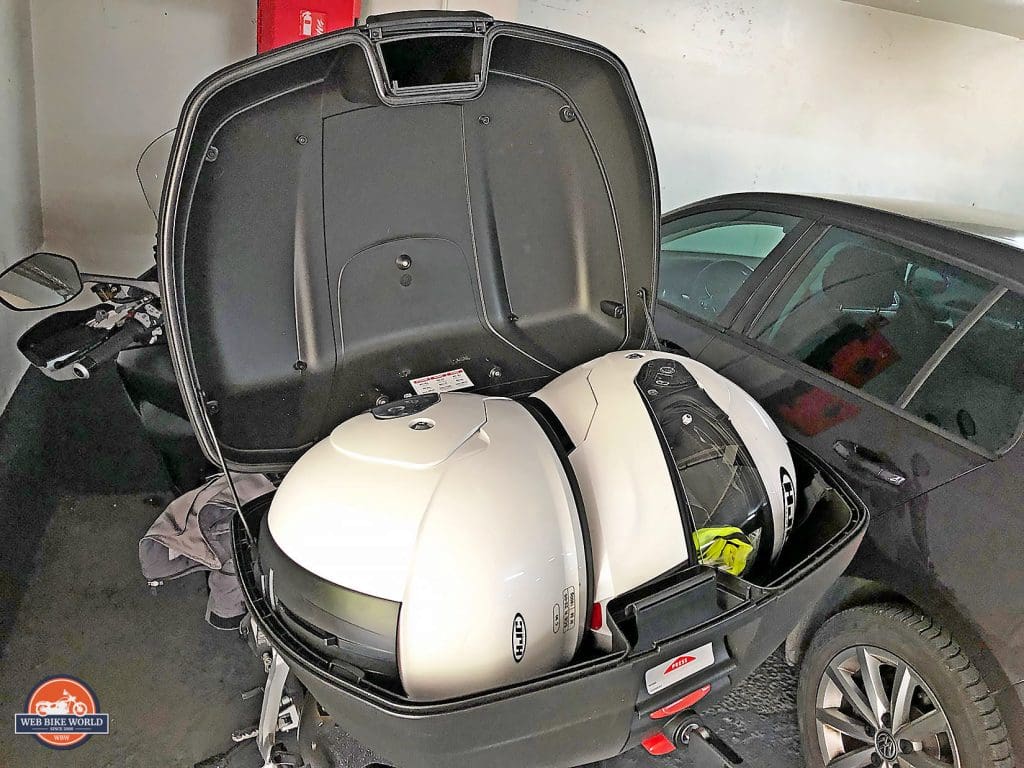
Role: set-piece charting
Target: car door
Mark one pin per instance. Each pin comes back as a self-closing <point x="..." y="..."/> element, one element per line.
<point x="712" y="258"/>
<point x="838" y="343"/>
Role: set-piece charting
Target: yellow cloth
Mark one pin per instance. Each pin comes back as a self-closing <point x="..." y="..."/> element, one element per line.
<point x="727" y="548"/>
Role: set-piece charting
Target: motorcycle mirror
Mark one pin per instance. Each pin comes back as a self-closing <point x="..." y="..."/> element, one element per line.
<point x="40" y="281"/>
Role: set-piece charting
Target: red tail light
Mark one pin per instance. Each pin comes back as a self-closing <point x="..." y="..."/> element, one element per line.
<point x="658" y="744"/>
<point x="596" y="617"/>
<point x="684" y="703"/>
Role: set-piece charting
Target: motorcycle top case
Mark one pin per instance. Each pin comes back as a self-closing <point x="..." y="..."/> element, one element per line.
<point x="436" y="202"/>
<point x="417" y="204"/>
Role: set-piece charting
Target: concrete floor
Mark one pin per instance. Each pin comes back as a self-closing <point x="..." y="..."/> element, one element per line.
<point x="78" y="487"/>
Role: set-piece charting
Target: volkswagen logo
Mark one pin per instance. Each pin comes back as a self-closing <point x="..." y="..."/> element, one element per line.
<point x="886" y="746"/>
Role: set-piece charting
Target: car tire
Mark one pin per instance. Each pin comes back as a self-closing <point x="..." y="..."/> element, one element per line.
<point x="945" y="684"/>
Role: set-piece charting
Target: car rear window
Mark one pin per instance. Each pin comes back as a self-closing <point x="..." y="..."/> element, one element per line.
<point x="707" y="257"/>
<point x="977" y="391"/>
<point x="868" y="312"/>
<point x="752" y="239"/>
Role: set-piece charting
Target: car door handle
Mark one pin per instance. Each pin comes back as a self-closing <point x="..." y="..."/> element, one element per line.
<point x="859" y="457"/>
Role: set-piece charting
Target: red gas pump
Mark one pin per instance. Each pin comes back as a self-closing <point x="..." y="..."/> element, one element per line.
<point x="279" y="22"/>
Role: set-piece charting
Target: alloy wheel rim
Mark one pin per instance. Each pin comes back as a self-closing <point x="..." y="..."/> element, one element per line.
<point x="872" y="709"/>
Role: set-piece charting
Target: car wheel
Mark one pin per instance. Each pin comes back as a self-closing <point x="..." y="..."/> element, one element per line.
<point x="882" y="685"/>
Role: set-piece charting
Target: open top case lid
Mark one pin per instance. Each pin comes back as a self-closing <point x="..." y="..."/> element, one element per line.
<point x="420" y="195"/>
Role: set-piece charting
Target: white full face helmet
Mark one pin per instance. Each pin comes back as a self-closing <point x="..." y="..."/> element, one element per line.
<point x="455" y="543"/>
<point x="667" y="451"/>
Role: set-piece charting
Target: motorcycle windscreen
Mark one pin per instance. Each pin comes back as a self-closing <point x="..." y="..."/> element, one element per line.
<point x="152" y="167"/>
<point x="424" y="204"/>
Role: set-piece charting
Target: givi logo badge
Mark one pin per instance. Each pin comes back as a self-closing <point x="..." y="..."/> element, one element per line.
<point x="679" y="668"/>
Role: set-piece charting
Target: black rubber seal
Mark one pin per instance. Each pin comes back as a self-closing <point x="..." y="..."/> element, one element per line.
<point x="563" y="446"/>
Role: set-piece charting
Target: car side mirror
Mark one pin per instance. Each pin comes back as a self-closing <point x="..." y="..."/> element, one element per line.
<point x="40" y="281"/>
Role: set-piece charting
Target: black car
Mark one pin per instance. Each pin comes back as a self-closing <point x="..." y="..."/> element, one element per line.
<point x="892" y="347"/>
<point x="347" y="215"/>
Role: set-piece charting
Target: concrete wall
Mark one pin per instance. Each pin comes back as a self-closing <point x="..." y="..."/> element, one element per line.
<point x="20" y="220"/>
<point x="808" y="95"/>
<point x="84" y="87"/>
<point x="795" y="95"/>
<point x="1003" y="16"/>
<point x="110" y="77"/>
<point x="798" y="95"/>
<point x="499" y="9"/>
<point x="815" y="96"/>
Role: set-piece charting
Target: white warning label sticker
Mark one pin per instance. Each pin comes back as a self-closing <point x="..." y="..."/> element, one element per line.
<point x="449" y="381"/>
<point x="679" y="667"/>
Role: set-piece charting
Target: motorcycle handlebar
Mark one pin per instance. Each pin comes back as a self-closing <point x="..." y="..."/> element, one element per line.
<point x="121" y="339"/>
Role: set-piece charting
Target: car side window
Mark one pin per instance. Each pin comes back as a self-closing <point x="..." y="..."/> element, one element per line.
<point x="707" y="257"/>
<point x="868" y="312"/>
<point x="977" y="390"/>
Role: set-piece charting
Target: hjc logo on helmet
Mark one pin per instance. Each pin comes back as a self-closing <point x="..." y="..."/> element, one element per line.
<point x="788" y="498"/>
<point x="518" y="637"/>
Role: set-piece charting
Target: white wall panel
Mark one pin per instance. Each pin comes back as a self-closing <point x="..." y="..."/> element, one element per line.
<point x="110" y="76"/>
<point x="815" y="96"/>
<point x="20" y="219"/>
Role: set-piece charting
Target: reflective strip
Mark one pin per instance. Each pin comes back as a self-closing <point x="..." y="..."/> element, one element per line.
<point x="658" y="744"/>
<point x="684" y="703"/>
